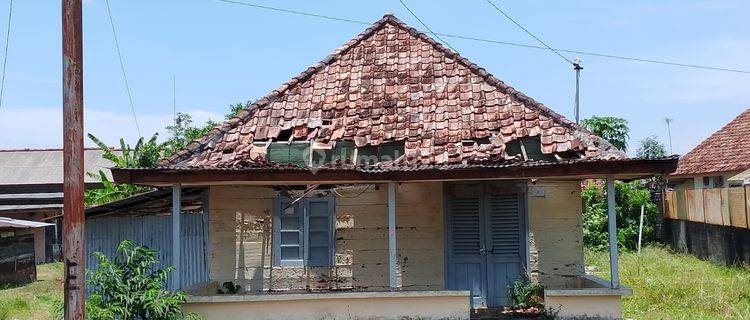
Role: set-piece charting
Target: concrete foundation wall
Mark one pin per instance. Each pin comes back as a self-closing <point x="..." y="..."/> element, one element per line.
<point x="555" y="232"/>
<point x="722" y="244"/>
<point x="361" y="240"/>
<point x="585" y="307"/>
<point x="376" y="305"/>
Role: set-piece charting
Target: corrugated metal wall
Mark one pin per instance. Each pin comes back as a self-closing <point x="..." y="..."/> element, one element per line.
<point x="105" y="233"/>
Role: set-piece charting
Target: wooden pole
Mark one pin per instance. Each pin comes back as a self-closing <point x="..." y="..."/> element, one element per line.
<point x="74" y="253"/>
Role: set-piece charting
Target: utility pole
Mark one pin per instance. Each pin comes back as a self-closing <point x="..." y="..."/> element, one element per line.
<point x="73" y="211"/>
<point x="577" y="67"/>
<point x="669" y="121"/>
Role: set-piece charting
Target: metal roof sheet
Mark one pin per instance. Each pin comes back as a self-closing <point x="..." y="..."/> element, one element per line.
<point x="18" y="223"/>
<point x="45" y="166"/>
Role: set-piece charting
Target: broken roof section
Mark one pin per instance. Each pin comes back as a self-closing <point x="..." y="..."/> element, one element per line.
<point x="394" y="83"/>
<point x="726" y="150"/>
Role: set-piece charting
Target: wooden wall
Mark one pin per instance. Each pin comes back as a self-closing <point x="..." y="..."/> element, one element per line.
<point x="719" y="206"/>
<point x="555" y="232"/>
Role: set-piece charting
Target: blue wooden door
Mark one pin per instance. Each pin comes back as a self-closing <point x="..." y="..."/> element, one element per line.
<point x="486" y="247"/>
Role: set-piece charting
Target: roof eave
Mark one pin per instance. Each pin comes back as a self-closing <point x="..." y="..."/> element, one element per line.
<point x="620" y="169"/>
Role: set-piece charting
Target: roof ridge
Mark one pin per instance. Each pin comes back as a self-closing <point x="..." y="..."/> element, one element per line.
<point x="251" y="108"/>
<point x="215" y="133"/>
<point x="496" y="82"/>
<point x="705" y="143"/>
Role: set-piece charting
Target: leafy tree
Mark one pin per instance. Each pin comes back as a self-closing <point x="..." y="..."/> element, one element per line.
<point x="129" y="287"/>
<point x="650" y="147"/>
<point x="111" y="191"/>
<point x="144" y="154"/>
<point x="183" y="131"/>
<point x="234" y="109"/>
<point x="613" y="129"/>
<point x="629" y="197"/>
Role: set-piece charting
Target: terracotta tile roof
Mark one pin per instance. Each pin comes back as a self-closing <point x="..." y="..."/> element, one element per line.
<point x="726" y="150"/>
<point x="392" y="82"/>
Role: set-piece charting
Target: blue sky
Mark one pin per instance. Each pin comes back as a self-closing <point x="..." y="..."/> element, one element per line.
<point x="222" y="54"/>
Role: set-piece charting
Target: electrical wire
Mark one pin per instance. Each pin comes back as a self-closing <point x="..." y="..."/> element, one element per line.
<point x="527" y="31"/>
<point x="505" y="43"/>
<point x="335" y="190"/>
<point x="5" y="56"/>
<point x="122" y="68"/>
<point x="426" y="27"/>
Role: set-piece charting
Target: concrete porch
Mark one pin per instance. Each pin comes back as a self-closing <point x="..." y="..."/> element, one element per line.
<point x="439" y="304"/>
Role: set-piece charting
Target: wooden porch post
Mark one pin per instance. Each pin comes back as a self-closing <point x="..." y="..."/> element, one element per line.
<point x="612" y="219"/>
<point x="392" y="234"/>
<point x="176" y="210"/>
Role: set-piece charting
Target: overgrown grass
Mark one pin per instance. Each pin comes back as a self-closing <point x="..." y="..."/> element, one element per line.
<point x="669" y="285"/>
<point x="37" y="300"/>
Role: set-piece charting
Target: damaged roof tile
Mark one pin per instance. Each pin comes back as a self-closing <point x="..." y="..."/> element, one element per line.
<point x="393" y="82"/>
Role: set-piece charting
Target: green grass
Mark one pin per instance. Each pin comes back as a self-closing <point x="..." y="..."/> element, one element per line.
<point x="666" y="285"/>
<point x="669" y="285"/>
<point x="37" y="300"/>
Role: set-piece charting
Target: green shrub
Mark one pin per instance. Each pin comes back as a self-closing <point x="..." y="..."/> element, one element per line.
<point x="129" y="287"/>
<point x="629" y="197"/>
<point x="525" y="293"/>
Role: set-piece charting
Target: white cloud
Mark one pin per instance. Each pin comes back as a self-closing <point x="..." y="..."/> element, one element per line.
<point x="41" y="127"/>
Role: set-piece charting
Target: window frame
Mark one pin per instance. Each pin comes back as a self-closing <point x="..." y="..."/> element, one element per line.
<point x="302" y="210"/>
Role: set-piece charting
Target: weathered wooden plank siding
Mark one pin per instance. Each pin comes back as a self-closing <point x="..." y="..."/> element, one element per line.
<point x="712" y="206"/>
<point x="737" y="207"/>
<point x="727" y="206"/>
<point x="361" y="240"/>
<point x="555" y="233"/>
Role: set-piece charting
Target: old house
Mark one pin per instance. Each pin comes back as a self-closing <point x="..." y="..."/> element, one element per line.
<point x="394" y="179"/>
<point x="708" y="207"/>
<point x="31" y="185"/>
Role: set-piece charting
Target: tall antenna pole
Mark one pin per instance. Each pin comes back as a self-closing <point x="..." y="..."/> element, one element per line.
<point x="577" y="67"/>
<point x="73" y="212"/>
<point x="174" y="99"/>
<point x="669" y="121"/>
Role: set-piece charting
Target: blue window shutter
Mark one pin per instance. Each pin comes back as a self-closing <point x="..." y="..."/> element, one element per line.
<point x="288" y="233"/>
<point x="320" y="226"/>
<point x="505" y="223"/>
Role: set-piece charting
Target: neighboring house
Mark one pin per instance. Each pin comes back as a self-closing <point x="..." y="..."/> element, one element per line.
<point x="31" y="186"/>
<point x="17" y="258"/>
<point x="707" y="206"/>
<point x="394" y="180"/>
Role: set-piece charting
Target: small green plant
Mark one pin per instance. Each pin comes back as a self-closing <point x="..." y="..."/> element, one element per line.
<point x="525" y="293"/>
<point x="549" y="314"/>
<point x="129" y="287"/>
